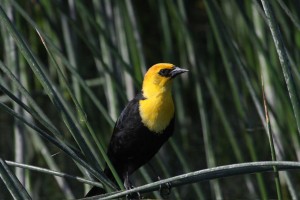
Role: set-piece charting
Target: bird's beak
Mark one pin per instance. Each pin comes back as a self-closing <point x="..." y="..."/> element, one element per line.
<point x="177" y="70"/>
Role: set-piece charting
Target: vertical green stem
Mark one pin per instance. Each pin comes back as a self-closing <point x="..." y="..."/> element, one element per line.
<point x="70" y="44"/>
<point x="283" y="58"/>
<point x="273" y="153"/>
<point x="13" y="62"/>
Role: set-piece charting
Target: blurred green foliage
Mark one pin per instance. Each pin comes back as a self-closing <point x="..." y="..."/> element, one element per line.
<point x="92" y="61"/>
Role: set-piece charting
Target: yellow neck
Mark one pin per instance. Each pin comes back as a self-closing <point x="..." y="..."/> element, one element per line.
<point x="157" y="109"/>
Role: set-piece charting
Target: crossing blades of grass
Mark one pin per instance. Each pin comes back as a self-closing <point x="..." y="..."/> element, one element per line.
<point x="13" y="184"/>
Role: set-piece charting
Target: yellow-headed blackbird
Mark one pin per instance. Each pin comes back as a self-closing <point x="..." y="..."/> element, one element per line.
<point x="144" y="125"/>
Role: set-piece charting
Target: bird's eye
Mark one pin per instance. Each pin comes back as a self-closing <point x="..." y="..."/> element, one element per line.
<point x="164" y="72"/>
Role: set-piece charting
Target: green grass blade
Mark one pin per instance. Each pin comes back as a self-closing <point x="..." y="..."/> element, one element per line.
<point x="283" y="58"/>
<point x="80" y="110"/>
<point x="185" y="166"/>
<point x="208" y="174"/>
<point x="62" y="146"/>
<point x="11" y="57"/>
<point x="288" y="12"/>
<point x="36" y="112"/>
<point x="53" y="164"/>
<point x="48" y="86"/>
<point x="53" y="172"/>
<point x="271" y="141"/>
<point x="210" y="157"/>
<point x="12" y="183"/>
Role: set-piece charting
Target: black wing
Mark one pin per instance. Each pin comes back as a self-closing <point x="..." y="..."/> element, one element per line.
<point x="132" y="144"/>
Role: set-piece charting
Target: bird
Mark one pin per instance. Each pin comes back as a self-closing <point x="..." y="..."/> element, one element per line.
<point x="144" y="125"/>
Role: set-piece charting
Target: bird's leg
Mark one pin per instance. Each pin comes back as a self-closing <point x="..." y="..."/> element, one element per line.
<point x="164" y="190"/>
<point x="128" y="185"/>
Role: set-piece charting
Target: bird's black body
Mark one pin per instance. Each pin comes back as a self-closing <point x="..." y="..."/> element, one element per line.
<point x="132" y="144"/>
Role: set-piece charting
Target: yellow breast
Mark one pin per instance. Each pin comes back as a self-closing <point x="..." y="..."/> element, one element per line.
<point x="156" y="112"/>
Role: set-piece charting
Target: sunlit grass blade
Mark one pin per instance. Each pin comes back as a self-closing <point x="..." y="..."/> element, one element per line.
<point x="217" y="29"/>
<point x="288" y="12"/>
<point x="241" y="65"/>
<point x="53" y="164"/>
<point x="79" y="109"/>
<point x="123" y="48"/>
<point x="136" y="33"/>
<point x="37" y="116"/>
<point x="60" y="145"/>
<point x="113" y="49"/>
<point x="71" y="42"/>
<point x="210" y="157"/>
<point x="48" y="86"/>
<point x="166" y="172"/>
<point x="134" y="45"/>
<point x="271" y="141"/>
<point x="52" y="172"/>
<point x="89" y="92"/>
<point x="198" y="191"/>
<point x="12" y="183"/>
<point x="208" y="174"/>
<point x="148" y="179"/>
<point x="11" y="57"/>
<point x="283" y="58"/>
<point x="36" y="112"/>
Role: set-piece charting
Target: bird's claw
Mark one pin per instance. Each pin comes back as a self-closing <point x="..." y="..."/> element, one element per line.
<point x="135" y="195"/>
<point x="165" y="190"/>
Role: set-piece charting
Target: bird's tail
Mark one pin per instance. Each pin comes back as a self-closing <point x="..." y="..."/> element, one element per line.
<point x="97" y="190"/>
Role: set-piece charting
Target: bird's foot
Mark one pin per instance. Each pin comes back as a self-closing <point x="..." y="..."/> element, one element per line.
<point x="135" y="195"/>
<point x="165" y="190"/>
<point x="128" y="185"/>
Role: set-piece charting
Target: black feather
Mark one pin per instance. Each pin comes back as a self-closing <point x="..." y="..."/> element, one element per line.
<point x="132" y="144"/>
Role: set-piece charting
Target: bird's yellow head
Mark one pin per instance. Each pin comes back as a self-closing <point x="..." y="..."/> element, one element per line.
<point x="157" y="109"/>
<point x="158" y="78"/>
